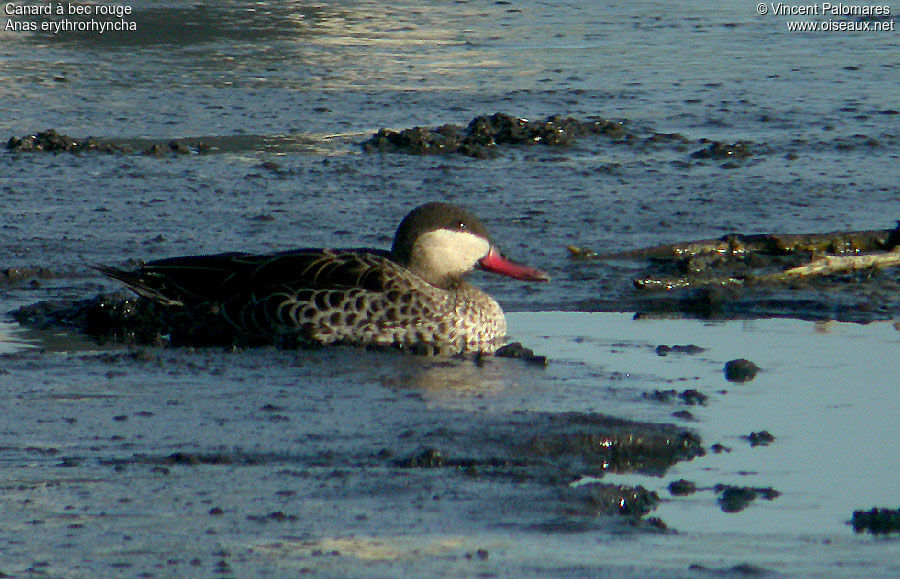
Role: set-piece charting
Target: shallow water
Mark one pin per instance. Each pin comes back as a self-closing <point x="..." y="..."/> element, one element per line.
<point x="11" y="338"/>
<point x="828" y="392"/>
<point x="818" y="108"/>
<point x="303" y="429"/>
<point x="301" y="87"/>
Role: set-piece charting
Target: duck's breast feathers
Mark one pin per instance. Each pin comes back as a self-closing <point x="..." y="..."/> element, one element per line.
<point x="224" y="276"/>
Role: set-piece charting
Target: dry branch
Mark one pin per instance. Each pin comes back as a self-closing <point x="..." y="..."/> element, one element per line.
<point x="830" y="264"/>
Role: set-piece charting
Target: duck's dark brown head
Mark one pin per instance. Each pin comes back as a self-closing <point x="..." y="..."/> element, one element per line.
<point x="441" y="242"/>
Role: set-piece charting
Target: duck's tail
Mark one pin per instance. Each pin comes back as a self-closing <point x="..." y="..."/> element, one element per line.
<point x="139" y="283"/>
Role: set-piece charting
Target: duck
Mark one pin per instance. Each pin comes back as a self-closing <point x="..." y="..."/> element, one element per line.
<point x="414" y="297"/>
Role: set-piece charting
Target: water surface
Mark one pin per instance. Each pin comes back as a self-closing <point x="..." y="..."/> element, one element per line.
<point x="89" y="438"/>
<point x="284" y="92"/>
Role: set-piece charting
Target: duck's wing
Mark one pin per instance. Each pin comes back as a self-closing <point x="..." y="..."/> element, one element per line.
<point x="222" y="277"/>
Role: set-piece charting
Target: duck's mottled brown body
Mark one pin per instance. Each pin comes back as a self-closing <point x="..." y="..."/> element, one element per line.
<point x="412" y="298"/>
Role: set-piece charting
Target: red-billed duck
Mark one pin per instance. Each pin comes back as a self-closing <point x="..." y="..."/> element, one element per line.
<point x="413" y="297"/>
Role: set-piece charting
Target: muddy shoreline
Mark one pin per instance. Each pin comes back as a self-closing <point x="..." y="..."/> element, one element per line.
<point x="124" y="441"/>
<point x="288" y="430"/>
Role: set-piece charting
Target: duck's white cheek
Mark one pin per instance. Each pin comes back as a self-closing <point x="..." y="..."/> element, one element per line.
<point x="450" y="251"/>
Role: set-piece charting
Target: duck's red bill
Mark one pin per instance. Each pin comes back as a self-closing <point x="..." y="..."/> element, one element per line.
<point x="496" y="263"/>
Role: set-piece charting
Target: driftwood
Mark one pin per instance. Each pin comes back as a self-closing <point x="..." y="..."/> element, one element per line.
<point x="837" y="242"/>
<point x="839" y="263"/>
<point x="736" y="260"/>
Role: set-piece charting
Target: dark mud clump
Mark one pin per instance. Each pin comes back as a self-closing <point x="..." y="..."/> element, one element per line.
<point x="594" y="444"/>
<point x="50" y="141"/>
<point x="17" y="276"/>
<point x="741" y="570"/>
<point x="689" y="349"/>
<point x="236" y="458"/>
<point x="273" y="517"/>
<point x="660" y="395"/>
<point x="761" y="438"/>
<point x="107" y="318"/>
<point x="877" y="521"/>
<point x="484" y="133"/>
<point x="683" y="415"/>
<point x="734" y="499"/>
<point x="691" y="397"/>
<point x="428" y="458"/>
<point x="682" y="487"/>
<point x="560" y="447"/>
<point x="517" y="350"/>
<point x="556" y="449"/>
<point x="717" y="150"/>
<point x="175" y="147"/>
<point x="610" y="499"/>
<point x="123" y="319"/>
<point x="740" y="370"/>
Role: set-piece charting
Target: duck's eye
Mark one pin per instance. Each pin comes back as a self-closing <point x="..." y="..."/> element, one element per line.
<point x="461" y="225"/>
